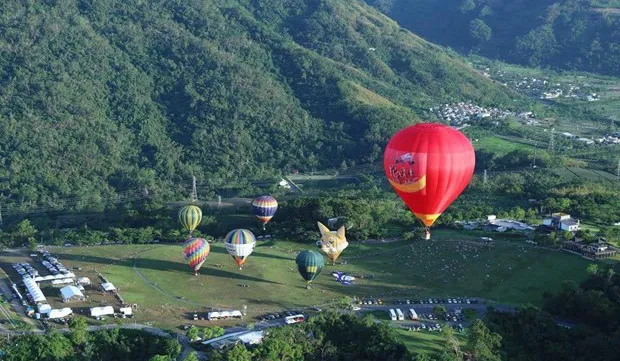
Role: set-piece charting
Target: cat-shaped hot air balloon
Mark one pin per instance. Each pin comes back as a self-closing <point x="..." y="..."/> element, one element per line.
<point x="332" y="243"/>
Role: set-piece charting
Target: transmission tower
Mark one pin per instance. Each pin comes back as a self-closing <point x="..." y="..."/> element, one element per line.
<point x="485" y="178"/>
<point x="552" y="141"/>
<point x="194" y="195"/>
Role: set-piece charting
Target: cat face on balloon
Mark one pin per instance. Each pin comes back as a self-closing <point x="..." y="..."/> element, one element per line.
<point x="332" y="239"/>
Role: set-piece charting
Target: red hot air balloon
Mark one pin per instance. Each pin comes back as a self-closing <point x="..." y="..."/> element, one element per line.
<point x="429" y="165"/>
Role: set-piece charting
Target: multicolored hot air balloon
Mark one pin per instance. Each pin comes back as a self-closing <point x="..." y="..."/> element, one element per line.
<point x="265" y="208"/>
<point x="195" y="251"/>
<point x="429" y="165"/>
<point x="240" y="244"/>
<point x="332" y="242"/>
<point x="190" y="217"/>
<point x="309" y="265"/>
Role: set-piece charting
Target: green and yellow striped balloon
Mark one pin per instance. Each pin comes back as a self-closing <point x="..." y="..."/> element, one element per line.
<point x="309" y="265"/>
<point x="190" y="217"/>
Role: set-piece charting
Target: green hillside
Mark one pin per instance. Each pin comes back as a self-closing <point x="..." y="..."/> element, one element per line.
<point x="98" y="97"/>
<point x="565" y="34"/>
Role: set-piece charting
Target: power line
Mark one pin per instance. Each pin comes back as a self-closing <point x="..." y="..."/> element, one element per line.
<point x="551" y="147"/>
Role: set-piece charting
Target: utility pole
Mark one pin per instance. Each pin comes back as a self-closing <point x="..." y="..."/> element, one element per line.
<point x="552" y="141"/>
<point x="194" y="195"/>
<point x="617" y="175"/>
<point x="485" y="178"/>
<point x="534" y="162"/>
<point x="0" y="217"/>
<point x="219" y="200"/>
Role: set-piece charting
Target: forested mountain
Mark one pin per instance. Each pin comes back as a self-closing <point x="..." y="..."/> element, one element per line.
<point x="108" y="95"/>
<point x="565" y="34"/>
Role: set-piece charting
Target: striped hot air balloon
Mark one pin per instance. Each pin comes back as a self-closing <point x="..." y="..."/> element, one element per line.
<point x="265" y="208"/>
<point x="195" y="251"/>
<point x="190" y="217"/>
<point x="309" y="265"/>
<point x="240" y="244"/>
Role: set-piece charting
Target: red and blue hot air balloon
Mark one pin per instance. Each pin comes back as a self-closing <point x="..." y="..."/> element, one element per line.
<point x="265" y="208"/>
<point x="195" y="251"/>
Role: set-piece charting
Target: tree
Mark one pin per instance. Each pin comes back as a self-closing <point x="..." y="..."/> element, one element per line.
<point x="467" y="5"/>
<point x="482" y="344"/>
<point x="193" y="334"/>
<point x="238" y="353"/>
<point x="440" y="312"/>
<point x="192" y="357"/>
<point x="470" y="314"/>
<point x="479" y="31"/>
<point x="452" y="347"/>
<point x="160" y="358"/>
<point x="79" y="331"/>
<point x="567" y="235"/>
<point x="592" y="269"/>
<point x="23" y="232"/>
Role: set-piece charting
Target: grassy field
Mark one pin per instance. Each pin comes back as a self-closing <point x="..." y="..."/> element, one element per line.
<point x="424" y="341"/>
<point x="501" y="146"/>
<point x="156" y="277"/>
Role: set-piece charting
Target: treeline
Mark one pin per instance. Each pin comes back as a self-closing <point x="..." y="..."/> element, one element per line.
<point x="566" y="34"/>
<point x="105" y="103"/>
<point x="330" y="337"/>
<point x="585" y="326"/>
<point x="81" y="345"/>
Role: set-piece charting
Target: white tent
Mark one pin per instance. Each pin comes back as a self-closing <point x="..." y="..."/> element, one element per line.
<point x="60" y="313"/>
<point x="108" y="287"/>
<point x="84" y="281"/>
<point x="44" y="308"/>
<point x="126" y="311"/>
<point x="101" y="311"/>
<point x="34" y="290"/>
<point x="252" y="338"/>
<point x="70" y="293"/>
<point x="213" y="315"/>
<point x="62" y="282"/>
<point x="236" y="314"/>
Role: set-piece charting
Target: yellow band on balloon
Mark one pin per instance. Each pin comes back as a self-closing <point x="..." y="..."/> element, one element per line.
<point x="412" y="187"/>
<point x="427" y="219"/>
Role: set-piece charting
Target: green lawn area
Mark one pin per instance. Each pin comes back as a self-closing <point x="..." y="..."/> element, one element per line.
<point x="424" y="341"/>
<point x="500" y="146"/>
<point x="449" y="266"/>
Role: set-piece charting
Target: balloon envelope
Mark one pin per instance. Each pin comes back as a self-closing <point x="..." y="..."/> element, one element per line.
<point x="195" y="251"/>
<point x="240" y="244"/>
<point x="264" y="208"/>
<point x="332" y="242"/>
<point x="309" y="264"/>
<point x="429" y="165"/>
<point x="190" y="217"/>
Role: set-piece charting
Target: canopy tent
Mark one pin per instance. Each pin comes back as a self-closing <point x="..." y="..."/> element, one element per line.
<point x="54" y="277"/>
<point x="44" y="308"/>
<point x="107" y="286"/>
<point x="101" y="311"/>
<point x="126" y="311"/>
<point x="84" y="281"/>
<point x="60" y="313"/>
<point x="33" y="290"/>
<point x="71" y="293"/>
<point x="62" y="282"/>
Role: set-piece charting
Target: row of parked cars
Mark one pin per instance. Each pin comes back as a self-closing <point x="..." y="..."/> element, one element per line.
<point x="432" y="301"/>
<point x="25" y="268"/>
<point x="274" y="316"/>
<point x="450" y="317"/>
<point x="433" y="327"/>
